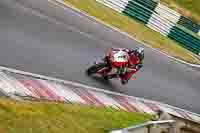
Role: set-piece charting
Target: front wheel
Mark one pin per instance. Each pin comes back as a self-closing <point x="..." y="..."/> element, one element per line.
<point x="123" y="82"/>
<point x="95" y="68"/>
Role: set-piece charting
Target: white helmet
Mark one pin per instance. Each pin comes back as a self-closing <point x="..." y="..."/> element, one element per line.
<point x="140" y="53"/>
<point x="140" y="50"/>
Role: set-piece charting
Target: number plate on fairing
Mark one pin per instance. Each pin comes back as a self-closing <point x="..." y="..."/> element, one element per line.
<point x="120" y="56"/>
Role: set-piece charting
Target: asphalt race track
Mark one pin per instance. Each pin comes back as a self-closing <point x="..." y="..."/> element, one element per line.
<point x="42" y="38"/>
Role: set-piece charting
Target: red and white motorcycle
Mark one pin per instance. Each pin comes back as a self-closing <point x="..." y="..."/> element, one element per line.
<point x="111" y="67"/>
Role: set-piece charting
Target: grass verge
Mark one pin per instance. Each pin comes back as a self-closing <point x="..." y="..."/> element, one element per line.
<point x="37" y="117"/>
<point x="133" y="28"/>
<point x="189" y="8"/>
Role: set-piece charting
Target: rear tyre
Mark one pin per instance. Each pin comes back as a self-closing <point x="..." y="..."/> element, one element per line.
<point x="107" y="77"/>
<point x="95" y="68"/>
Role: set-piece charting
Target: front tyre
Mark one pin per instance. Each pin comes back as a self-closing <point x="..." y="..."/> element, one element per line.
<point x="124" y="82"/>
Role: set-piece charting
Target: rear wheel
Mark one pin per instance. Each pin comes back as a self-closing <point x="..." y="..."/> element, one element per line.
<point x="107" y="77"/>
<point x="95" y="68"/>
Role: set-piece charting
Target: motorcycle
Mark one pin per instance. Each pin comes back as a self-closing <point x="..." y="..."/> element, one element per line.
<point x="113" y="66"/>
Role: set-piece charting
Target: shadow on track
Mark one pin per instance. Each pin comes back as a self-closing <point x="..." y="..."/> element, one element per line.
<point x="106" y="83"/>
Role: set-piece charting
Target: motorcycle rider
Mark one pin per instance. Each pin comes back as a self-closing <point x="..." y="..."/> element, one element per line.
<point x="135" y="63"/>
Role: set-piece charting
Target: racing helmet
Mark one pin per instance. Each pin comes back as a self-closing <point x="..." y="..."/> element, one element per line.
<point x="140" y="53"/>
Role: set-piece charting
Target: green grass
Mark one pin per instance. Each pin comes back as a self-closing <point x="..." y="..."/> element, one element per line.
<point x="192" y="5"/>
<point x="133" y="28"/>
<point x="37" y="117"/>
<point x="190" y="8"/>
